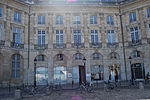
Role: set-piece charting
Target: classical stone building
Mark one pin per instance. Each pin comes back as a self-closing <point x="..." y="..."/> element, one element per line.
<point x="60" y="41"/>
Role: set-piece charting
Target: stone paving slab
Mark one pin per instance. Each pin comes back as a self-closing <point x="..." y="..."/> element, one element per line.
<point x="122" y="94"/>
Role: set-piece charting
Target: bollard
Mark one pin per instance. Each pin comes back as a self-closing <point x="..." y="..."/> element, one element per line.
<point x="141" y="86"/>
<point x="17" y="94"/>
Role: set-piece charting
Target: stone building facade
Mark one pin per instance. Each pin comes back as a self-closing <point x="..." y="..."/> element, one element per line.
<point x="62" y="41"/>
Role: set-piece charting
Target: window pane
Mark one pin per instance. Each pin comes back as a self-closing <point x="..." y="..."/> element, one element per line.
<point x="93" y="19"/>
<point x="15" y="66"/>
<point x="1" y="11"/>
<point x="17" y="16"/>
<point x="76" y="20"/>
<point x="17" y="35"/>
<point x="132" y="17"/>
<point x="111" y="37"/>
<point x="110" y="20"/>
<point x="134" y="34"/>
<point x="41" y="19"/>
<point x="59" y="37"/>
<point x="41" y="36"/>
<point x="148" y="12"/>
<point x="77" y="36"/>
<point x="59" y="19"/>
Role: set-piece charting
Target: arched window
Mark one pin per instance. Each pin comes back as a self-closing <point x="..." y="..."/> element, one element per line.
<point x="96" y="56"/>
<point x="136" y="54"/>
<point x="114" y="55"/>
<point x="60" y="57"/>
<point x="16" y="65"/>
<point x="78" y="56"/>
<point x="40" y="58"/>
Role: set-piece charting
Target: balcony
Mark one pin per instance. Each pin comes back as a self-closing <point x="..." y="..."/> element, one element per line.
<point x="135" y="43"/>
<point x="2" y="43"/>
<point x="17" y="45"/>
<point x="40" y="46"/>
<point x="95" y="45"/>
<point x="77" y="45"/>
<point x="112" y="45"/>
<point x="59" y="46"/>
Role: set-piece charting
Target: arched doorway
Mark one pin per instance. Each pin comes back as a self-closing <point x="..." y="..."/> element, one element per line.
<point x="41" y="76"/>
<point x="138" y="71"/>
<point x="60" y="75"/>
<point x="40" y="70"/>
<point x="114" y="72"/>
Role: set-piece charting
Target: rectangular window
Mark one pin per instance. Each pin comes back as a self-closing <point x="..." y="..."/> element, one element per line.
<point x="148" y="12"/>
<point x="111" y="37"/>
<point x="132" y="17"/>
<point x="41" y="19"/>
<point x="1" y="12"/>
<point x="17" y="35"/>
<point x="59" y="37"/>
<point x="41" y="37"/>
<point x="17" y="16"/>
<point x="93" y="19"/>
<point x="59" y="19"/>
<point x="15" y="66"/>
<point x="1" y="32"/>
<point x="76" y="20"/>
<point x="110" y="20"/>
<point x="134" y="34"/>
<point x="94" y="36"/>
<point x="77" y="36"/>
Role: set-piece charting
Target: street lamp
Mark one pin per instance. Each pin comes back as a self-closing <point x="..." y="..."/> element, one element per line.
<point x="35" y="72"/>
<point x="84" y="78"/>
<point x="84" y="61"/>
<point x="130" y="58"/>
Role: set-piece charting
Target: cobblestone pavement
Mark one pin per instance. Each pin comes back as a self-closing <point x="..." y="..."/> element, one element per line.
<point x="122" y="94"/>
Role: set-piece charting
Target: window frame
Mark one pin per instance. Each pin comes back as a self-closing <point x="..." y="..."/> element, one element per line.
<point x="59" y="37"/>
<point x="59" y="20"/>
<point x="76" y="20"/>
<point x="41" y="19"/>
<point x="111" y="36"/>
<point x="134" y="32"/>
<point x="94" y="37"/>
<point x="41" y="37"/>
<point x="16" y="64"/>
<point x="132" y="17"/>
<point x="17" y="16"/>
<point x="148" y="12"/>
<point x="93" y="19"/>
<point x="17" y="32"/>
<point x="110" y="20"/>
<point x="1" y="12"/>
<point x="77" y="36"/>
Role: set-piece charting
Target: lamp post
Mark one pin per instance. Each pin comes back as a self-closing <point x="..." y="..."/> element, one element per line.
<point x="130" y="58"/>
<point x="35" y="72"/>
<point x="84" y="61"/>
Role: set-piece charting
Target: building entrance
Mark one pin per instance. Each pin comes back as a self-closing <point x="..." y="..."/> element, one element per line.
<point x="82" y="75"/>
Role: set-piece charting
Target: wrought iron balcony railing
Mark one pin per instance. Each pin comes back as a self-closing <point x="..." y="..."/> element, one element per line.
<point x="17" y="45"/>
<point x="77" y="45"/>
<point x="112" y="45"/>
<point x="95" y="45"/>
<point x="135" y="43"/>
<point x="2" y="43"/>
<point x="59" y="46"/>
<point x="40" y="46"/>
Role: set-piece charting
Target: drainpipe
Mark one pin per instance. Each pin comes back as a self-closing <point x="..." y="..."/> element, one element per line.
<point x="28" y="46"/>
<point x="124" y="53"/>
